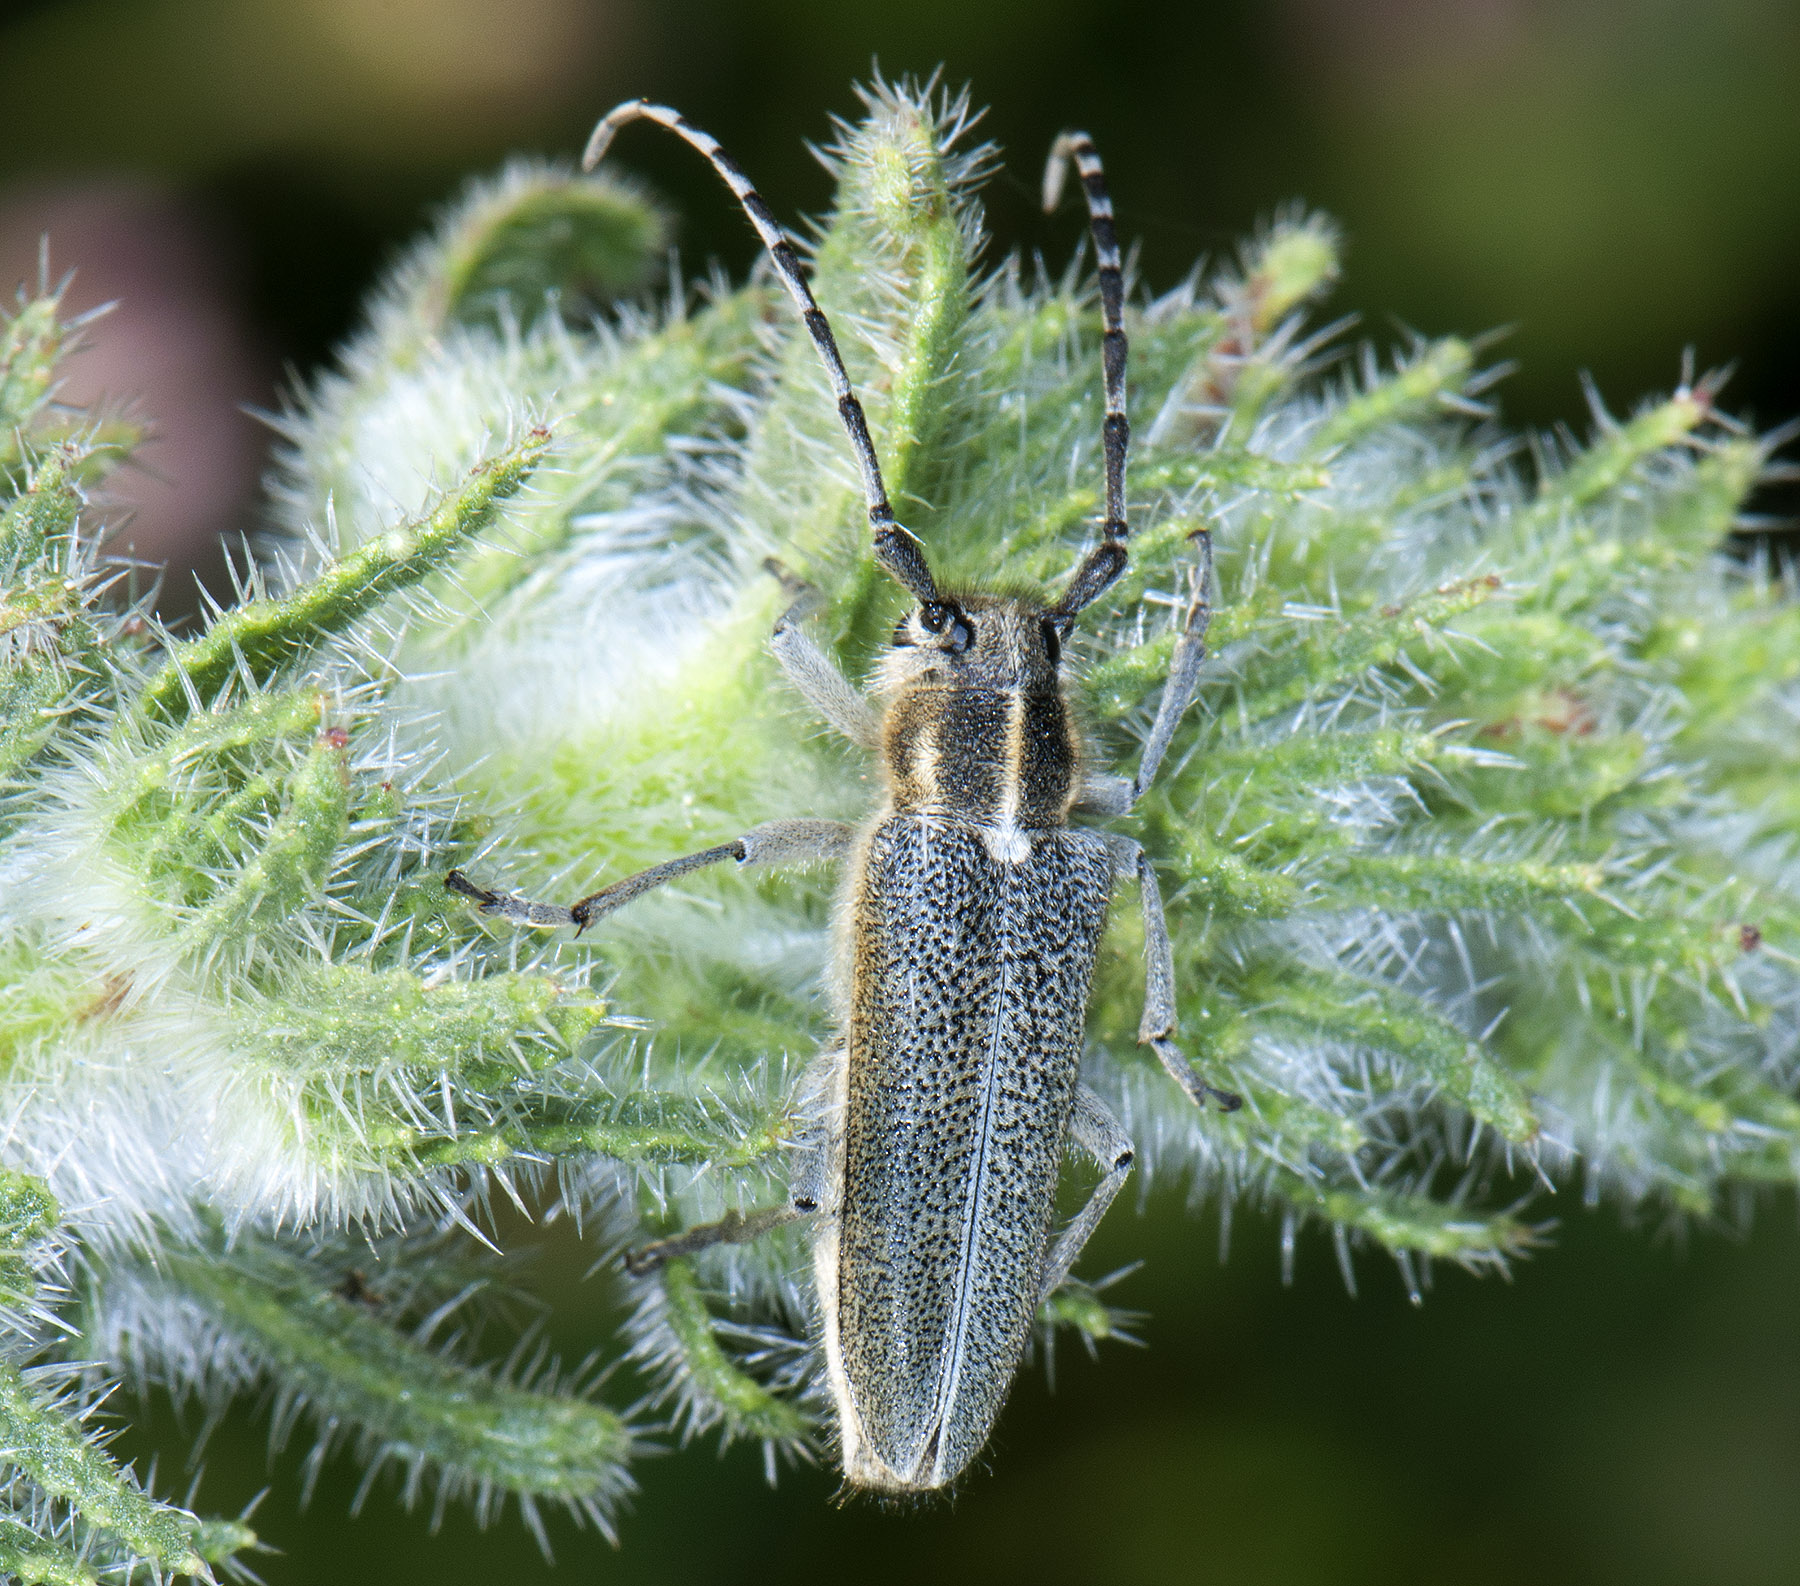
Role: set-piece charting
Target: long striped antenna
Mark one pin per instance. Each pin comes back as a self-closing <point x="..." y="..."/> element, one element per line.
<point x="896" y="550"/>
<point x="1107" y="559"/>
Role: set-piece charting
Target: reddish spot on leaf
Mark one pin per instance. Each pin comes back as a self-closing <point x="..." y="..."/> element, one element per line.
<point x="1566" y="712"/>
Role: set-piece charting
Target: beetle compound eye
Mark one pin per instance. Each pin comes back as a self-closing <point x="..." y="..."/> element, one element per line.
<point x="1052" y="641"/>
<point x="941" y="617"/>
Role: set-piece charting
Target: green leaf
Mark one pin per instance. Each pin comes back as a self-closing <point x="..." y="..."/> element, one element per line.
<point x="258" y="639"/>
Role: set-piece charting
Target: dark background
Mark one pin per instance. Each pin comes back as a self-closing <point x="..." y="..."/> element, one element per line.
<point x="1614" y="179"/>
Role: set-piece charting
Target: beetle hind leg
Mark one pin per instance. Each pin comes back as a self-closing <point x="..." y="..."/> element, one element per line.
<point x="1097" y="1132"/>
<point x="734" y="1228"/>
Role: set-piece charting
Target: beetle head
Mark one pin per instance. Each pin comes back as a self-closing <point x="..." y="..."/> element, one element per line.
<point x="975" y="641"/>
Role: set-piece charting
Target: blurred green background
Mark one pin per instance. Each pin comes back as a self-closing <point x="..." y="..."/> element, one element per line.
<point x="1613" y="180"/>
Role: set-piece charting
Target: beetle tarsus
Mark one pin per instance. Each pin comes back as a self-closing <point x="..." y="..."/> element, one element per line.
<point x="456" y="881"/>
<point x="734" y="1228"/>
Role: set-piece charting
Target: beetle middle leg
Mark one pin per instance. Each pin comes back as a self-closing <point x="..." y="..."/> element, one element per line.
<point x="1156" y="1029"/>
<point x="773" y="843"/>
<point x="1096" y="1131"/>
<point x="807" y="1187"/>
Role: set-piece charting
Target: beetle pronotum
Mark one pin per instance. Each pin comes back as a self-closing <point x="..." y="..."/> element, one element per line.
<point x="970" y="918"/>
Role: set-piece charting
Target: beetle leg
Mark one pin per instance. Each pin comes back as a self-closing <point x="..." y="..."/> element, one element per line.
<point x="1097" y="1132"/>
<point x="773" y="843"/>
<point x="806" y="1184"/>
<point x="1184" y="672"/>
<point x="1157" y="1027"/>
<point x="809" y="1184"/>
<point x="813" y="672"/>
<point x="734" y="1228"/>
<point x="1105" y="794"/>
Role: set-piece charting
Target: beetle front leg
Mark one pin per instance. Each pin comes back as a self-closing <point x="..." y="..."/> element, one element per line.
<point x="1184" y="672"/>
<point x="773" y="843"/>
<point x="1096" y="1131"/>
<point x="1157" y="1027"/>
<point x="1104" y="794"/>
<point x="813" y="672"/>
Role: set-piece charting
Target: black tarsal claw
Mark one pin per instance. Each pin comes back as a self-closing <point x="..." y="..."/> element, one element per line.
<point x="641" y="1263"/>
<point x="456" y="881"/>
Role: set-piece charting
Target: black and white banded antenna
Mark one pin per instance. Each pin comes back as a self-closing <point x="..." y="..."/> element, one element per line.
<point x="1107" y="559"/>
<point x="896" y="549"/>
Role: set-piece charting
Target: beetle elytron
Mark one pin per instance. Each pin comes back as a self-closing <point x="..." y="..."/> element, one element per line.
<point x="969" y="922"/>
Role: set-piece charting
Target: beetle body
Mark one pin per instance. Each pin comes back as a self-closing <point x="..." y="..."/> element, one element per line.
<point x="971" y="918"/>
<point x="968" y="925"/>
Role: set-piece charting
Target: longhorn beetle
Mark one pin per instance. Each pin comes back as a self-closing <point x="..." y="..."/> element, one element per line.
<point x="968" y="924"/>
